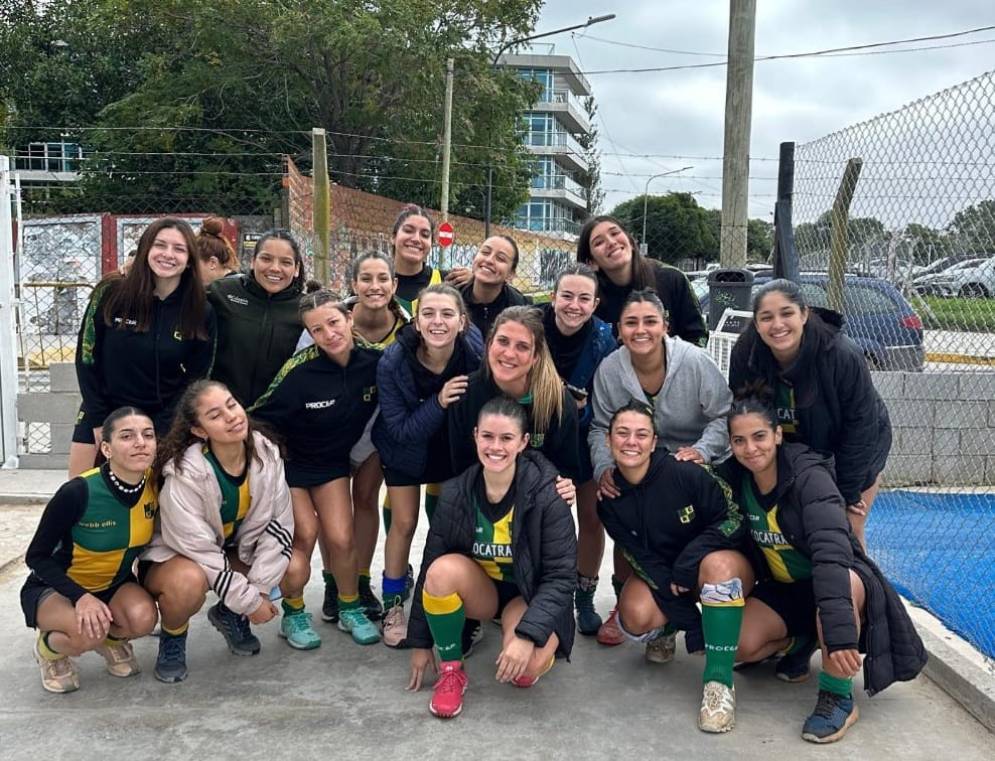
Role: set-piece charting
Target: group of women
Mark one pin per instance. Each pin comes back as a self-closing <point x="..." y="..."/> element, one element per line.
<point x="270" y="443"/>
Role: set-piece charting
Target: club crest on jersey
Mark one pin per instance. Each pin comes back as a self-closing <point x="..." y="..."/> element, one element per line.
<point x="537" y="440"/>
<point x="149" y="508"/>
<point x="686" y="514"/>
<point x="368" y="393"/>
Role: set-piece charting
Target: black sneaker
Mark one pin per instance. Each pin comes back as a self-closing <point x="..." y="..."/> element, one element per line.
<point x="235" y="629"/>
<point x="794" y="667"/>
<point x="171" y="663"/>
<point x="371" y="605"/>
<point x="473" y="632"/>
<point x="330" y="607"/>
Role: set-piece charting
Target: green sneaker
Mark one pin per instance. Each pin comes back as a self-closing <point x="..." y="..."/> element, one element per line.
<point x="354" y="621"/>
<point x="297" y="630"/>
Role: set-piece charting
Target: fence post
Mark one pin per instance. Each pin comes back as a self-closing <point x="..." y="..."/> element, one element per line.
<point x="8" y="343"/>
<point x="321" y="213"/>
<point x="839" y="248"/>
<point x="785" y="255"/>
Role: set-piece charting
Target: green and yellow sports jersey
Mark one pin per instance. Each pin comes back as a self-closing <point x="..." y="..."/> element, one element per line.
<point x="110" y="535"/>
<point x="784" y="403"/>
<point x="492" y="545"/>
<point x="235" y="497"/>
<point x="785" y="562"/>
<point x="409" y="300"/>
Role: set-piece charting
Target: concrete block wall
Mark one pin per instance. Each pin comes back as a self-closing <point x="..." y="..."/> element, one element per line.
<point x="57" y="408"/>
<point x="944" y="427"/>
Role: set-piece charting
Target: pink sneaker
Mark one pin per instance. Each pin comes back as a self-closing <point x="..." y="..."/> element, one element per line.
<point x="447" y="697"/>
<point x="610" y="634"/>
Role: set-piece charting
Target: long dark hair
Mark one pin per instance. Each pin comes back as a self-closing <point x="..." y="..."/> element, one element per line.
<point x="280" y="234"/>
<point x="642" y="268"/>
<point x="181" y="435"/>
<point x="132" y="297"/>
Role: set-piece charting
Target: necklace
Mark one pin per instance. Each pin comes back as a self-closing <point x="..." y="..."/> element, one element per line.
<point x="120" y="485"/>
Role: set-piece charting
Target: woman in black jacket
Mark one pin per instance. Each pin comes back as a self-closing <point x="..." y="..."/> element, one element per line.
<point x="501" y="544"/>
<point x="145" y="337"/>
<point x="606" y="246"/>
<point x="816" y="584"/>
<point x="824" y="395"/>
<point x="679" y="529"/>
<point x="258" y="324"/>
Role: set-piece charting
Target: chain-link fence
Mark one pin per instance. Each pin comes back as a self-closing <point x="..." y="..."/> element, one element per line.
<point x="905" y="204"/>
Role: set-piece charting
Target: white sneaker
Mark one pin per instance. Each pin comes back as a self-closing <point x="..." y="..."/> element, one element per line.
<point x="718" y="708"/>
<point x="120" y="659"/>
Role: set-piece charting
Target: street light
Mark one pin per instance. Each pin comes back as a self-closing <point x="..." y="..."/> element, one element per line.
<point x="591" y="21"/>
<point x="643" y="247"/>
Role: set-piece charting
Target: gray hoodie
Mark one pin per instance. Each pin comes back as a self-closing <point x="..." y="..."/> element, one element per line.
<point x="690" y="409"/>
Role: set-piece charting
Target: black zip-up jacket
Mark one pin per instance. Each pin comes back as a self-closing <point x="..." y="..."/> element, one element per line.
<point x="257" y="333"/>
<point x="319" y="407"/>
<point x="484" y="315"/>
<point x="838" y="409"/>
<point x="543" y="549"/>
<point x="679" y="513"/>
<point x="118" y="366"/>
<point x="812" y="517"/>
<point x="559" y="443"/>
<point x="674" y="290"/>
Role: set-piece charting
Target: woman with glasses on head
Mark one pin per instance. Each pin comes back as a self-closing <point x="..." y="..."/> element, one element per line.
<point x="689" y="399"/>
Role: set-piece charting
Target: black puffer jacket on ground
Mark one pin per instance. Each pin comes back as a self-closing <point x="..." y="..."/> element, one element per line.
<point x="543" y="548"/>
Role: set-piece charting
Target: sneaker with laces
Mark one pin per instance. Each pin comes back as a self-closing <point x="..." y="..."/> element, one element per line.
<point x="718" y="708"/>
<point x="588" y="620"/>
<point x="447" y="695"/>
<point x="610" y="634"/>
<point x="296" y="628"/>
<point x="330" y="606"/>
<point x="235" y="629"/>
<point x="473" y="633"/>
<point x="371" y="605"/>
<point x="661" y="648"/>
<point x="59" y="675"/>
<point x="832" y="717"/>
<point x="395" y="626"/>
<point x="525" y="681"/>
<point x="120" y="658"/>
<point x="794" y="667"/>
<point x="171" y="663"/>
<point x="354" y="621"/>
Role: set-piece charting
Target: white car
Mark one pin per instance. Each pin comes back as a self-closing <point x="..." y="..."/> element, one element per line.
<point x="974" y="278"/>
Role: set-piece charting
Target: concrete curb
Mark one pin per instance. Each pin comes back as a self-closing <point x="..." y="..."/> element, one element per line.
<point x="956" y="667"/>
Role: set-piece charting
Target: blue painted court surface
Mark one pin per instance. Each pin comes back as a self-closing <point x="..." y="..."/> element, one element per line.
<point x="939" y="550"/>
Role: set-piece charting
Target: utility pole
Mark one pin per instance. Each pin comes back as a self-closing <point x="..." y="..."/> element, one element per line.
<point x="447" y="140"/>
<point x="321" y="212"/>
<point x="736" y="154"/>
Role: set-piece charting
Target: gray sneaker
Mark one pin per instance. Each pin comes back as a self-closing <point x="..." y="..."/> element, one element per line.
<point x="661" y="649"/>
<point x="235" y="629"/>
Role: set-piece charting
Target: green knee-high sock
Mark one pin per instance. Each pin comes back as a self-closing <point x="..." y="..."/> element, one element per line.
<point x="721" y="618"/>
<point x="329" y="578"/>
<point x="432" y="492"/>
<point x="445" y="616"/>
<point x="385" y="511"/>
<point x="838" y="685"/>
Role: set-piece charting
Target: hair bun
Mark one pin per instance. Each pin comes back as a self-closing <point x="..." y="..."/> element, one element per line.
<point x="312" y="286"/>
<point x="755" y="389"/>
<point x="212" y="226"/>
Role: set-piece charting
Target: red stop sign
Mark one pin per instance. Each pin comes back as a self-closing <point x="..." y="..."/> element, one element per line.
<point x="446" y="234"/>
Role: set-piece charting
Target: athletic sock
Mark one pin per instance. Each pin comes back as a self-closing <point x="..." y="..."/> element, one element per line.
<point x="292" y="605"/>
<point x="617" y="585"/>
<point x="365" y="580"/>
<point x="668" y="629"/>
<point x="393" y="590"/>
<point x="445" y="616"/>
<point x="45" y="650"/>
<point x="838" y="685"/>
<point x="110" y="640"/>
<point x="348" y="602"/>
<point x="587" y="583"/>
<point x="179" y="631"/>
<point x="329" y="578"/>
<point x="721" y="618"/>
<point x="432" y="492"/>
<point x="385" y="511"/>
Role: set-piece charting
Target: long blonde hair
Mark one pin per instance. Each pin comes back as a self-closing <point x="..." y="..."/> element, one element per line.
<point x="545" y="384"/>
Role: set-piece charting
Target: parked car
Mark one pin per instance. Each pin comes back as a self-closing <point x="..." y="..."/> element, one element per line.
<point x="941" y="264"/>
<point x="948" y="281"/>
<point x="875" y="315"/>
<point x="974" y="278"/>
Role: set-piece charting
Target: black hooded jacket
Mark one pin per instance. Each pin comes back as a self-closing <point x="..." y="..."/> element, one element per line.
<point x="838" y="409"/>
<point x="543" y="547"/>
<point x="812" y="517"/>
<point x="666" y="524"/>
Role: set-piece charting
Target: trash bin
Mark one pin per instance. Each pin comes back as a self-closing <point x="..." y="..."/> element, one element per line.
<point x="728" y="289"/>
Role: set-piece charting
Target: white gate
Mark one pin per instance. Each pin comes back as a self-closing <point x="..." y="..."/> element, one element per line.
<point x="8" y="343"/>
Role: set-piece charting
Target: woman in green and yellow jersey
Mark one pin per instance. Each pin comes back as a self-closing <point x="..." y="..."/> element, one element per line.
<point x="81" y="594"/>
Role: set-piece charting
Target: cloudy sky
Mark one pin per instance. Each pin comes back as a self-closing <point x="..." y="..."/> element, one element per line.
<point x="680" y="113"/>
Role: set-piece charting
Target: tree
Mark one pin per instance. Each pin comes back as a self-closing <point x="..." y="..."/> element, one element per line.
<point x="924" y="244"/>
<point x="759" y="240"/>
<point x="676" y="226"/>
<point x="590" y="181"/>
<point x="973" y="228"/>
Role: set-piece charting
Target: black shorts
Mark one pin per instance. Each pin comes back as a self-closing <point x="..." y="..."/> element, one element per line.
<point x="305" y="477"/>
<point x="396" y="478"/>
<point x="35" y="590"/>
<point x="794" y="603"/>
<point x="506" y="592"/>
